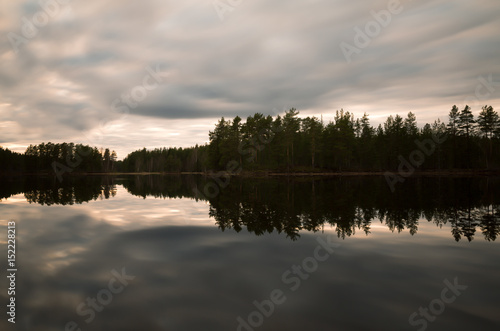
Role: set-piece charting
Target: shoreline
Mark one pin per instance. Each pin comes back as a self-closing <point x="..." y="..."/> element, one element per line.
<point x="255" y="174"/>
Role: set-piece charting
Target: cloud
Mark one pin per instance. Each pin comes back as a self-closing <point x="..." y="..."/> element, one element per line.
<point x="187" y="277"/>
<point x="263" y="56"/>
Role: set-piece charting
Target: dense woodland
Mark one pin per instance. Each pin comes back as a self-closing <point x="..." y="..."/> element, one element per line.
<point x="289" y="143"/>
<point x="65" y="157"/>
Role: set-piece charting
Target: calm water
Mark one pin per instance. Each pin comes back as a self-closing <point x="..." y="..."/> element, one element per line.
<point x="173" y="253"/>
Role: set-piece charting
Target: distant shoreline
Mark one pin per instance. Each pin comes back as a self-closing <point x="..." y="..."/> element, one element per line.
<point x="256" y="174"/>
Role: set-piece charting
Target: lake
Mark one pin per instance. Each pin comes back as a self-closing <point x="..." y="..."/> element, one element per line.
<point x="194" y="253"/>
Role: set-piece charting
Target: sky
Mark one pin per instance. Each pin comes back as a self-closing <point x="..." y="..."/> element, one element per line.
<point x="155" y="73"/>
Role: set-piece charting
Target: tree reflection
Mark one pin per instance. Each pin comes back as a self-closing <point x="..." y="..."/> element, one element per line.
<point x="469" y="206"/>
<point x="490" y="223"/>
<point x="351" y="205"/>
<point x="48" y="191"/>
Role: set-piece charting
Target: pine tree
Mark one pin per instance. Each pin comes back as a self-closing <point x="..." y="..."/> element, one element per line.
<point x="453" y="120"/>
<point x="466" y="128"/>
<point x="488" y="121"/>
<point x="466" y="122"/>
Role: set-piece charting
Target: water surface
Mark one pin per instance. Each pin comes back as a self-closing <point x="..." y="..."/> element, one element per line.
<point x="204" y="260"/>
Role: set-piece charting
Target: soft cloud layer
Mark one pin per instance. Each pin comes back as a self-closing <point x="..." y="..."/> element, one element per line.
<point x="263" y="57"/>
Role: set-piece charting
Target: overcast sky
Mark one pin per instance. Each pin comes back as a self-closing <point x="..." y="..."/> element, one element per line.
<point x="154" y="73"/>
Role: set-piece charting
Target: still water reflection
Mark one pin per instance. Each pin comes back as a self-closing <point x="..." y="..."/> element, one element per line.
<point x="198" y="264"/>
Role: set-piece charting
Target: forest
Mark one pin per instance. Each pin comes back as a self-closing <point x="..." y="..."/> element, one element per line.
<point x="290" y="143"/>
<point x="55" y="158"/>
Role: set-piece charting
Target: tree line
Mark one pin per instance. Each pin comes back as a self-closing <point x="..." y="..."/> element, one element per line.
<point x="289" y="143"/>
<point x="193" y="159"/>
<point x="58" y="157"/>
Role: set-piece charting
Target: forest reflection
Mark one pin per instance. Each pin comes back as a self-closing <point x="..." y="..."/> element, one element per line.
<point x="49" y="191"/>
<point x="289" y="205"/>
